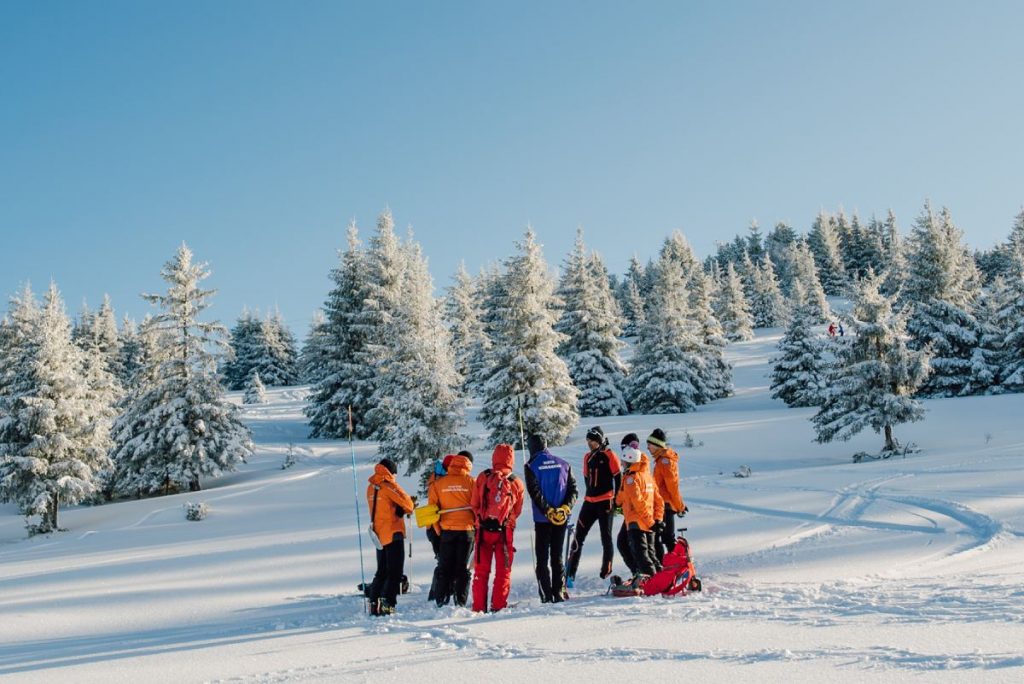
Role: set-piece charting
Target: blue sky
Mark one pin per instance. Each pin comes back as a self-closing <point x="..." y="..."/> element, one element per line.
<point x="254" y="131"/>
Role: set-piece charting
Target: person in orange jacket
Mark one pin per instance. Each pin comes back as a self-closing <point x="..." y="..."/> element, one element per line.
<point x="639" y="500"/>
<point x="388" y="504"/>
<point x="666" y="478"/>
<point x="497" y="502"/>
<point x="453" y="494"/>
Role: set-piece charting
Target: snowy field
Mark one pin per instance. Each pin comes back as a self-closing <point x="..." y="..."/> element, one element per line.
<point x="814" y="568"/>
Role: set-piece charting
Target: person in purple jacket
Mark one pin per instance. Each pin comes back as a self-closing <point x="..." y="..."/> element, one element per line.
<point x="552" y="489"/>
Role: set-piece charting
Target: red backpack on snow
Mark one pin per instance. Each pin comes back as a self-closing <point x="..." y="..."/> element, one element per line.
<point x="677" y="575"/>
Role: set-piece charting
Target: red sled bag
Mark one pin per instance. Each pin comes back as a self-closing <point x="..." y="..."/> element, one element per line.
<point x="677" y="576"/>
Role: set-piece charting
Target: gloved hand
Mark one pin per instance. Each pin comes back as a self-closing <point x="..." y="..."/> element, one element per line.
<point x="659" y="527"/>
<point x="557" y="516"/>
<point x="617" y="510"/>
<point x="683" y="512"/>
<point x="566" y="511"/>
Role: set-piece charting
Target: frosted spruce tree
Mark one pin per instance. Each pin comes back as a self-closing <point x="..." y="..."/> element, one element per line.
<point x="767" y="306"/>
<point x="799" y="368"/>
<point x="54" y="432"/>
<point x="463" y="311"/>
<point x="246" y="349"/>
<point x="130" y="355"/>
<point x="526" y="372"/>
<point x="667" y="369"/>
<point x="277" y="362"/>
<point x="717" y="372"/>
<point x="810" y="293"/>
<point x="418" y="403"/>
<point x="942" y="288"/>
<point x="732" y="307"/>
<point x="313" y="359"/>
<point x="823" y="240"/>
<point x="255" y="391"/>
<point x="591" y="345"/>
<point x="631" y="299"/>
<point x="893" y="257"/>
<point x="874" y="377"/>
<point x="177" y="425"/>
<point x="347" y="380"/>
<point x="778" y="246"/>
<point x="1010" y="321"/>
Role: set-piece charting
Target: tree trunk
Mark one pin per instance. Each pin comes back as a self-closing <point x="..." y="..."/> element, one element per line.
<point x="890" y="443"/>
<point x="53" y="511"/>
<point x="193" y="484"/>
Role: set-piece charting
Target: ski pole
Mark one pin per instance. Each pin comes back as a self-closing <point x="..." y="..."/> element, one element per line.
<point x="522" y="442"/>
<point x="355" y="498"/>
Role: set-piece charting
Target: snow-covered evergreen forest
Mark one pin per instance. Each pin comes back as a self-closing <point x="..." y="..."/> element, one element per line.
<point x="91" y="410"/>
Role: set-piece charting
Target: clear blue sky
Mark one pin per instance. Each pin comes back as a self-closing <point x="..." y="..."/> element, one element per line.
<point x="254" y="131"/>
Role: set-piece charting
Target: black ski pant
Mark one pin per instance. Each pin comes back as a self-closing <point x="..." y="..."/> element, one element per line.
<point x="665" y="541"/>
<point x="388" y="579"/>
<point x="637" y="549"/>
<point x="435" y="543"/>
<point x="550" y="543"/>
<point x="593" y="511"/>
<point x="453" y="567"/>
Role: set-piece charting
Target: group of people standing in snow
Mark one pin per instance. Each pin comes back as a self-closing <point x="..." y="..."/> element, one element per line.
<point x="478" y="516"/>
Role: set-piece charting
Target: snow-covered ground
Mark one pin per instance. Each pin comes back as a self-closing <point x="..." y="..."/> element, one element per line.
<point x="814" y="568"/>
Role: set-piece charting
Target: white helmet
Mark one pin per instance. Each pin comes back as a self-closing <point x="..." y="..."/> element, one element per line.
<point x="631" y="455"/>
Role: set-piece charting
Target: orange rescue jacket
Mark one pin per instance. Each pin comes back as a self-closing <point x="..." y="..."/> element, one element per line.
<point x="392" y="505"/>
<point x="454" y="490"/>
<point x="637" y="496"/>
<point x="666" y="476"/>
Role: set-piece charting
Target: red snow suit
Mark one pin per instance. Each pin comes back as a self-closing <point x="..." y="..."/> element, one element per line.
<point x="494" y="537"/>
<point x="677" y="574"/>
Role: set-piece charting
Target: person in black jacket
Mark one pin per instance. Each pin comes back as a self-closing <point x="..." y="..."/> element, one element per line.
<point x="603" y="475"/>
<point x="552" y="488"/>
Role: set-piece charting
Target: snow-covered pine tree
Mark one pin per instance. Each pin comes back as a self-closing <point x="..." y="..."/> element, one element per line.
<point x="106" y="336"/>
<point x="313" y="360"/>
<point x="1010" y="321"/>
<point x="418" y="402"/>
<point x="732" y="308"/>
<point x="811" y="292"/>
<point x="894" y="261"/>
<point x="255" y="390"/>
<point x="755" y="245"/>
<point x="778" y="245"/>
<point x="385" y="269"/>
<point x="246" y="347"/>
<point x="824" y="243"/>
<point x="178" y="425"/>
<point x="589" y="322"/>
<point x="275" y="358"/>
<point x="799" y="368"/>
<point x="631" y="299"/>
<point x="54" y="431"/>
<point x="347" y="381"/>
<point x="988" y="359"/>
<point x="942" y="287"/>
<point x="667" y="368"/>
<point x="874" y="377"/>
<point x="82" y="326"/>
<point x="526" y="371"/>
<point x="463" y="311"/>
<point x="768" y="306"/>
<point x="717" y="371"/>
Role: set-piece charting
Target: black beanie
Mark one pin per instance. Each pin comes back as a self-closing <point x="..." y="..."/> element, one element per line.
<point x="390" y="465"/>
<point x="630" y="439"/>
<point x="468" y="455"/>
<point x="535" y="444"/>
<point x="596" y="434"/>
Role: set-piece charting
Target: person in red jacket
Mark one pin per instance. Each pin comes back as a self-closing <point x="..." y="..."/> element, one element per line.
<point x="388" y="504"/>
<point x="602" y="475"/>
<point x="497" y="502"/>
<point x="666" y="478"/>
<point x="452" y="493"/>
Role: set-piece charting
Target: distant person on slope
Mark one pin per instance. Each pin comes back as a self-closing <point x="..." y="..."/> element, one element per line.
<point x="497" y="502"/>
<point x="388" y="505"/>
<point x="666" y="479"/>
<point x="602" y="475"/>
<point x="552" y="489"/>
<point x="641" y="506"/>
<point x="453" y="492"/>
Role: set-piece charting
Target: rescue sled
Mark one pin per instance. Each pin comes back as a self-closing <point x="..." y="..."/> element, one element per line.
<point x="677" y="576"/>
